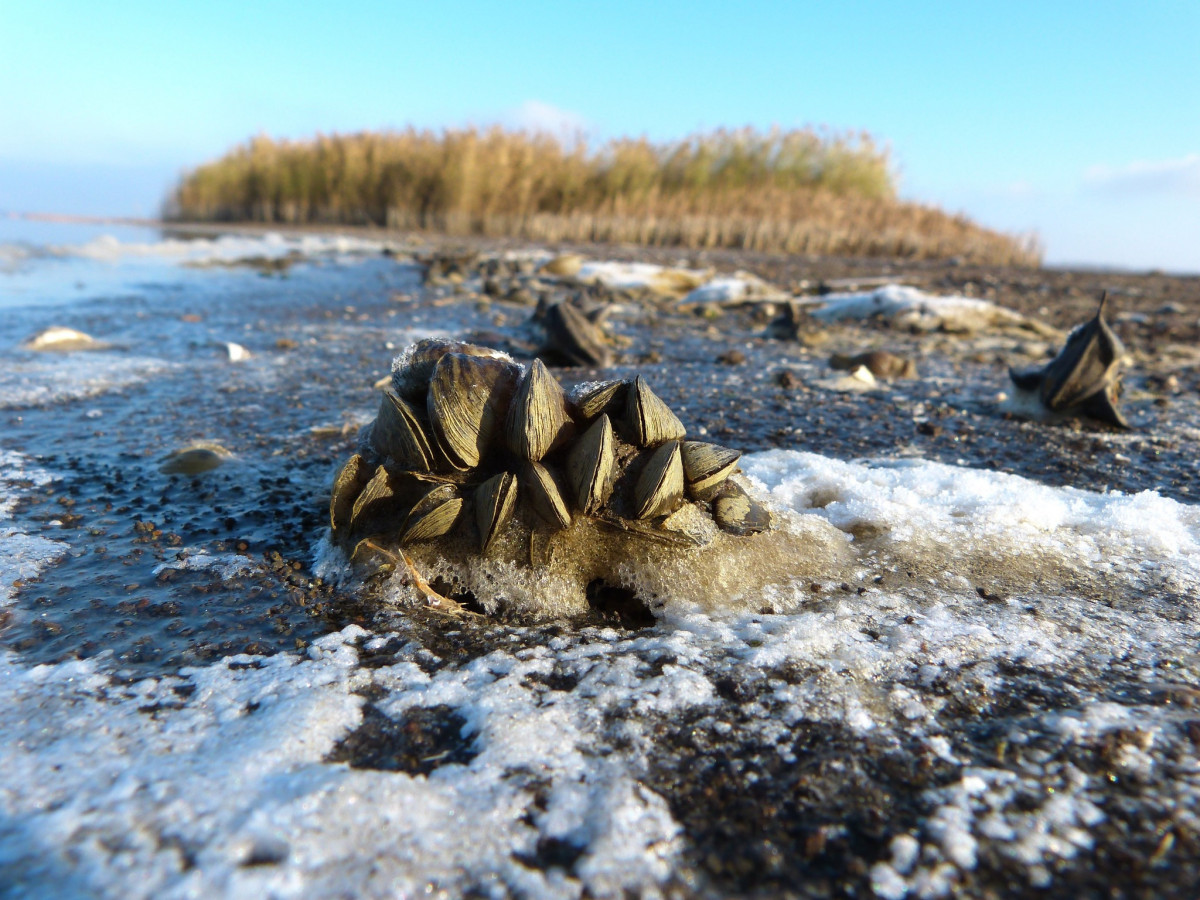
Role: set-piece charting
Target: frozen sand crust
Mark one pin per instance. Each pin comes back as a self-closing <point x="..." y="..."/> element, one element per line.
<point x="973" y="522"/>
<point x="170" y="786"/>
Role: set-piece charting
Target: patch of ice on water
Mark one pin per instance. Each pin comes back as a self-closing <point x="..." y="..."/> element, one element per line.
<point x="40" y="379"/>
<point x="225" y="565"/>
<point x="224" y="249"/>
<point x="22" y="555"/>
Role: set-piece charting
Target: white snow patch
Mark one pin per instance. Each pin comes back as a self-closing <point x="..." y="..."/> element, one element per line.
<point x="22" y="555"/>
<point x="908" y="307"/>
<point x="225" y="565"/>
<point x="228" y="248"/>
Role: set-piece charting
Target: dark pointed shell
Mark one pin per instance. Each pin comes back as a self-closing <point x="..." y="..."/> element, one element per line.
<point x="495" y="501"/>
<point x="571" y="335"/>
<point x="659" y="489"/>
<point x="650" y="419"/>
<point x="606" y="397"/>
<point x="706" y="466"/>
<point x="376" y="498"/>
<point x="433" y="515"/>
<point x="737" y="512"/>
<point x="1086" y="365"/>
<point x="537" y="417"/>
<point x="468" y="398"/>
<point x="591" y="465"/>
<point x="544" y="496"/>
<point x="399" y="434"/>
<point x="346" y="488"/>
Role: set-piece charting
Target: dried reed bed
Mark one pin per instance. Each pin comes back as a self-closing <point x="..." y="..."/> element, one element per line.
<point x="793" y="192"/>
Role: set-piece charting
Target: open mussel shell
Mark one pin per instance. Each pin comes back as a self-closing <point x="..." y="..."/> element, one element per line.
<point x="659" y="489"/>
<point x="495" y="501"/>
<point x="598" y="399"/>
<point x="433" y="515"/>
<point x="571" y="335"/>
<point x="347" y="485"/>
<point x="1083" y="376"/>
<point x="374" y="502"/>
<point x="468" y="396"/>
<point x="737" y="512"/>
<point x="544" y="496"/>
<point x="649" y="418"/>
<point x="591" y="466"/>
<point x="413" y="369"/>
<point x="399" y="434"/>
<point x="537" y="417"/>
<point x="1087" y="364"/>
<point x="706" y="466"/>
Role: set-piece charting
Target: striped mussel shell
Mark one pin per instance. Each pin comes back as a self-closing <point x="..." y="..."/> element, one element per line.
<point x="538" y="420"/>
<point x="544" y="495"/>
<point x="573" y="336"/>
<point x="468" y="399"/>
<point x="413" y="369"/>
<point x="737" y="512"/>
<point x="347" y="485"/>
<point x="650" y="420"/>
<point x="706" y="466"/>
<point x="434" y="515"/>
<point x="495" y="502"/>
<point x="591" y="466"/>
<point x="598" y="399"/>
<point x="398" y="434"/>
<point x="659" y="488"/>
<point x="374" y="501"/>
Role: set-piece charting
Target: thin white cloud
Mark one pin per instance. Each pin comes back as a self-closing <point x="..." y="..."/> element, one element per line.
<point x="537" y="116"/>
<point x="1161" y="176"/>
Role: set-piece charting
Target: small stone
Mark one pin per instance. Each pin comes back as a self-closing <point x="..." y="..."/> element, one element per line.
<point x="787" y="379"/>
<point x="567" y="265"/>
<point x="194" y="460"/>
<point x="732" y="358"/>
<point x="59" y="339"/>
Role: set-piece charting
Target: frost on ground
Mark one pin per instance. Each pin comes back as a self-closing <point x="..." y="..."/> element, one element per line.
<point x="913" y="309"/>
<point x="972" y="712"/>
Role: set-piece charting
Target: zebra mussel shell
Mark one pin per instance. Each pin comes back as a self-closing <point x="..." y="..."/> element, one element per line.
<point x="591" y="466"/>
<point x="467" y="442"/>
<point x="495" y="502"/>
<point x="706" y="466"/>
<point x="571" y="335"/>
<point x="650" y="419"/>
<point x="537" y="419"/>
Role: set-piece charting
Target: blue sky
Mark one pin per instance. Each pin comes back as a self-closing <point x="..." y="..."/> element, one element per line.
<point x="1080" y="121"/>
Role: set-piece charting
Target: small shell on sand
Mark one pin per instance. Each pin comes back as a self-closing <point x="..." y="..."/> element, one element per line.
<point x="236" y="352"/>
<point x="194" y="459"/>
<point x="60" y="339"/>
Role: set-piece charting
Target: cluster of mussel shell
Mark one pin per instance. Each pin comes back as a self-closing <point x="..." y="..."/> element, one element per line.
<point x="467" y="439"/>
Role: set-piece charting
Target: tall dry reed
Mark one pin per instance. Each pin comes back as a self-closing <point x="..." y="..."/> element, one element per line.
<point x="785" y="191"/>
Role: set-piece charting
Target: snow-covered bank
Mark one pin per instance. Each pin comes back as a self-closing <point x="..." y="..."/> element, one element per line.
<point x="231" y="779"/>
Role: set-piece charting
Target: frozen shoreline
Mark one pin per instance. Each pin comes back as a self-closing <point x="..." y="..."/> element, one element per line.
<point x="1002" y="695"/>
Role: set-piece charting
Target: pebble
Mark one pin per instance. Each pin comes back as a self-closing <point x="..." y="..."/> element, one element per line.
<point x="59" y="339"/>
<point x="194" y="459"/>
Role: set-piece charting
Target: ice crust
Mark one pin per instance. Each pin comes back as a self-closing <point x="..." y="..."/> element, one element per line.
<point x="22" y="555"/>
<point x="215" y="781"/>
<point x="909" y="307"/>
<point x="223" y="249"/>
